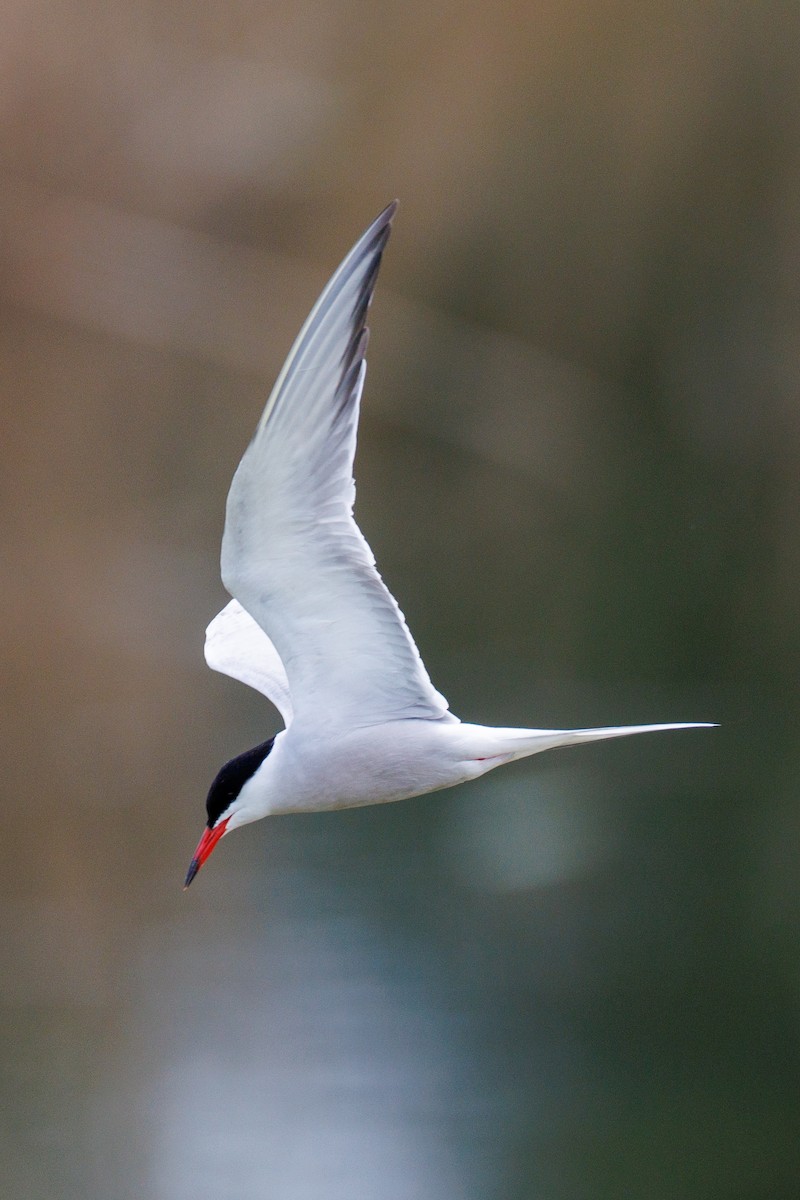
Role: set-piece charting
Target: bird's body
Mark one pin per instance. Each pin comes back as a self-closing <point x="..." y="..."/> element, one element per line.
<point x="312" y="625"/>
<point x="357" y="766"/>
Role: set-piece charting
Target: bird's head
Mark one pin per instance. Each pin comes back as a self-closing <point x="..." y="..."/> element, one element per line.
<point x="229" y="803"/>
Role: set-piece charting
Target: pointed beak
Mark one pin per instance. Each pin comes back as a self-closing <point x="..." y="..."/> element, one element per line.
<point x="204" y="847"/>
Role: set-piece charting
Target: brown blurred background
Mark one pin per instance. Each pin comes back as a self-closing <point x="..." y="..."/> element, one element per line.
<point x="578" y="468"/>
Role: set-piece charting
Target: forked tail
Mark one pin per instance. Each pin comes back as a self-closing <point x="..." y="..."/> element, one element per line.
<point x="519" y="743"/>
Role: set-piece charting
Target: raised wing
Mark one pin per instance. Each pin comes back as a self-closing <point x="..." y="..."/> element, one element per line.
<point x="292" y="553"/>
<point x="237" y="646"/>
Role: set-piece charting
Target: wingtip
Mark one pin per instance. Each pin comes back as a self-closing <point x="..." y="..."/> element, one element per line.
<point x="384" y="219"/>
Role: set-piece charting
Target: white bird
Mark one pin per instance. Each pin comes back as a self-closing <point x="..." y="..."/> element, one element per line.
<point x="312" y="625"/>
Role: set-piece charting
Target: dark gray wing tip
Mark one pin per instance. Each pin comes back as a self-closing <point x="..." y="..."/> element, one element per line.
<point x="377" y="234"/>
<point x="387" y="216"/>
<point x="373" y="241"/>
<point x="360" y="267"/>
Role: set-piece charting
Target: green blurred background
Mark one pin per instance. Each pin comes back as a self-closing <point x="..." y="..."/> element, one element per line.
<point x="579" y="470"/>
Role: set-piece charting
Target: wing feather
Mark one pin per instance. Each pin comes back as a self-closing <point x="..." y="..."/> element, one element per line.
<point x="292" y="554"/>
<point x="237" y="646"/>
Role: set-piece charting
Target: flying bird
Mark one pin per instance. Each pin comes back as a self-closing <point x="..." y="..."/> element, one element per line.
<point x="312" y="625"/>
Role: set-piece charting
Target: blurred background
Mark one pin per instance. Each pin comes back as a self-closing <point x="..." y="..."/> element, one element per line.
<point x="579" y="468"/>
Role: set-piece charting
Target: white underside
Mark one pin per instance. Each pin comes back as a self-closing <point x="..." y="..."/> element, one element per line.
<point x="393" y="761"/>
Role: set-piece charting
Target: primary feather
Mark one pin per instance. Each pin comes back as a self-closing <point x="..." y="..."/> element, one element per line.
<point x="292" y="553"/>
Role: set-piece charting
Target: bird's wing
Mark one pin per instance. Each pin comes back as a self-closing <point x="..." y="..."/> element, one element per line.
<point x="292" y="553"/>
<point x="237" y="646"/>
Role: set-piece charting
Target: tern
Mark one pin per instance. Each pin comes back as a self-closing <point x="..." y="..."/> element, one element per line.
<point x="312" y="625"/>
